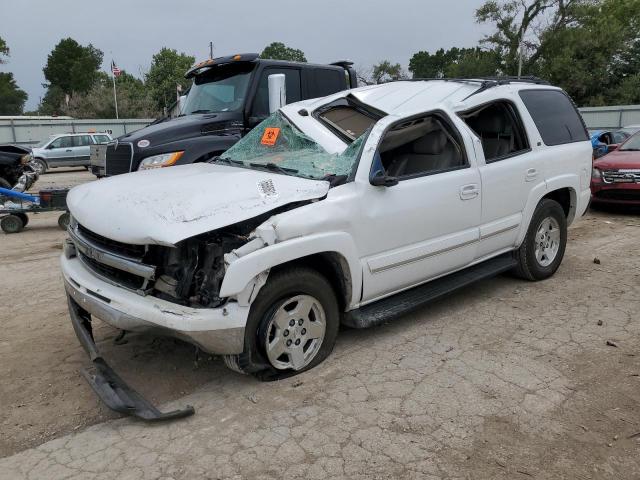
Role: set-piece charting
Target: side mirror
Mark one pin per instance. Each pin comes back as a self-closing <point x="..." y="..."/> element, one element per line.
<point x="181" y="100"/>
<point x="277" y="91"/>
<point x="380" y="179"/>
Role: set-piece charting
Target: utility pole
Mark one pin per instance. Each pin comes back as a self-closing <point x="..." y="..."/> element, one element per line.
<point x="211" y="50"/>
<point x="520" y="60"/>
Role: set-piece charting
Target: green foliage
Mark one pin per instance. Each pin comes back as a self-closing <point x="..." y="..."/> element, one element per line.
<point x="385" y="71"/>
<point x="279" y="51"/>
<point x="167" y="71"/>
<point x="455" y="62"/>
<point x="134" y="100"/>
<point x="72" y="67"/>
<point x="4" y="50"/>
<point x="11" y="97"/>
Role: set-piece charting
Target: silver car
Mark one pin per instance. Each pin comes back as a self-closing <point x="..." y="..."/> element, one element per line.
<point x="66" y="150"/>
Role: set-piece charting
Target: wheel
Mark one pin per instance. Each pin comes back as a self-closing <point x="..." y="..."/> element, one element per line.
<point x="11" y="224"/>
<point x="39" y="165"/>
<point x="543" y="248"/>
<point x="292" y="325"/>
<point x="63" y="220"/>
<point x="23" y="217"/>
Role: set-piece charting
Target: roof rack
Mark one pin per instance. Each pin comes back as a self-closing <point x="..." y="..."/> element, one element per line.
<point x="488" y="82"/>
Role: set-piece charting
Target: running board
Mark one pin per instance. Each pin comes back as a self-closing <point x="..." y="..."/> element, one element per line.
<point x="404" y="302"/>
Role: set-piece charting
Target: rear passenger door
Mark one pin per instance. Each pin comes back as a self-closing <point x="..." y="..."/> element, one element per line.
<point x="509" y="171"/>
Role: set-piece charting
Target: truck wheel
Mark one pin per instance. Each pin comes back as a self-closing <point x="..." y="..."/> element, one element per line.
<point x="39" y="165"/>
<point x="11" y="224"/>
<point x="292" y="325"/>
<point x="542" y="250"/>
<point x="63" y="220"/>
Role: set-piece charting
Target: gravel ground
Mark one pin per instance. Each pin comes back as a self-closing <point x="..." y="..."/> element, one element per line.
<point x="506" y="379"/>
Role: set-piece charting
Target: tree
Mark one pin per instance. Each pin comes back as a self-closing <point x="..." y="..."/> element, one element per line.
<point x="167" y="71"/>
<point x="520" y="24"/>
<point x="134" y="100"/>
<point x="279" y="51"/>
<point x="455" y="62"/>
<point x="12" y="99"/>
<point x="383" y="72"/>
<point x="72" y="67"/>
<point x="4" y="50"/>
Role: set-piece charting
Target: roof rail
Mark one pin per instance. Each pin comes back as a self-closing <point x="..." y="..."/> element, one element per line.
<point x="488" y="82"/>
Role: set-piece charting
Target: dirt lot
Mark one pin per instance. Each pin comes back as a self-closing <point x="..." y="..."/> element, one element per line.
<point x="508" y="379"/>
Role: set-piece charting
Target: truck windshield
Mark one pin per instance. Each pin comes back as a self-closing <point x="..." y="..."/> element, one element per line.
<point x="276" y="144"/>
<point x="220" y="89"/>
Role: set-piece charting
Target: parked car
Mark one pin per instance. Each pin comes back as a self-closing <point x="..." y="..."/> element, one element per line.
<point x="229" y="96"/>
<point x="350" y="209"/>
<point x="66" y="150"/>
<point x="622" y="134"/>
<point x="13" y="161"/>
<point x="615" y="178"/>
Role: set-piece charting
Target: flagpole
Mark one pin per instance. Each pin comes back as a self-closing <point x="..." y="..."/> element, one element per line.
<point x="115" y="95"/>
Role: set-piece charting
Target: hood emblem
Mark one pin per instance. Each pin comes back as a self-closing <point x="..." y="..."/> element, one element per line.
<point x="267" y="188"/>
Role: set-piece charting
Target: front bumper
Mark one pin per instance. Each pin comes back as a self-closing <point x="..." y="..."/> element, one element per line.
<point x="615" y="193"/>
<point x="215" y="330"/>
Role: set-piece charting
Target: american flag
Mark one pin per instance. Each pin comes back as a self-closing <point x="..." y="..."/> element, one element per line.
<point x="114" y="69"/>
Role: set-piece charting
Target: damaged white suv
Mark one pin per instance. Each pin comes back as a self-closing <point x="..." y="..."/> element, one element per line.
<point x="350" y="209"/>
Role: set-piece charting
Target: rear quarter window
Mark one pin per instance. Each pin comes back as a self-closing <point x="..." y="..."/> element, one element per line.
<point x="555" y="116"/>
<point x="323" y="82"/>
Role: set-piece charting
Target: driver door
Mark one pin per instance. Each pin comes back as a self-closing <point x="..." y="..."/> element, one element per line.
<point x="60" y="152"/>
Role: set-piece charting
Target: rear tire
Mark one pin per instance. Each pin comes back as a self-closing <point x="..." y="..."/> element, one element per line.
<point x="299" y="295"/>
<point x="11" y="224"/>
<point x="543" y="248"/>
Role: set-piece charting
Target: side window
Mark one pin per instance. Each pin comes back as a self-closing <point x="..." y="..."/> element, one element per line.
<point x="81" y="140"/>
<point x="421" y="146"/>
<point x="101" y="139"/>
<point x="500" y="130"/>
<point x="62" y="142"/>
<point x="261" y="101"/>
<point x="556" y="117"/>
<point x="322" y="82"/>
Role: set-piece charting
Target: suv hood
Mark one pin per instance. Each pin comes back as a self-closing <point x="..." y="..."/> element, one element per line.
<point x="180" y="128"/>
<point x="168" y="205"/>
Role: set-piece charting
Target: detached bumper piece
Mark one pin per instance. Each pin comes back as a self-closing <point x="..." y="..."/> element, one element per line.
<point x="113" y="391"/>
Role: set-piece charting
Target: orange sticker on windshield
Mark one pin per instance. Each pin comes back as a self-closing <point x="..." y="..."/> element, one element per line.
<point x="270" y="136"/>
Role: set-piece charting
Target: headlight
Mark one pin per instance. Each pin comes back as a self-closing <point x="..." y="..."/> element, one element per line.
<point x="159" y="161"/>
<point x="595" y="173"/>
<point x="25" y="159"/>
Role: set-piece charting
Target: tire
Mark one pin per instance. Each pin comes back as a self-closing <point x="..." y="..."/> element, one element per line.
<point x="39" y="165"/>
<point x="63" y="220"/>
<point x="11" y="224"/>
<point x="24" y="217"/>
<point x="285" y="293"/>
<point x="543" y="247"/>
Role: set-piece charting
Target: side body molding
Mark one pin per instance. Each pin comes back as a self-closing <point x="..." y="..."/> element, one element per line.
<point x="243" y="270"/>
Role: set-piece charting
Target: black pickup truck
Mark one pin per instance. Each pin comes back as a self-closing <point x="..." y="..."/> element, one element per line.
<point x="13" y="161"/>
<point x="229" y="96"/>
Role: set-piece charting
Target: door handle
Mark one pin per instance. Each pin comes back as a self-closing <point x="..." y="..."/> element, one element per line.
<point x="68" y="150"/>
<point x="531" y="175"/>
<point x="467" y="192"/>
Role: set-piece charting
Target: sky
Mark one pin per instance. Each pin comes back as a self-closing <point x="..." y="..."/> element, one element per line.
<point x="131" y="31"/>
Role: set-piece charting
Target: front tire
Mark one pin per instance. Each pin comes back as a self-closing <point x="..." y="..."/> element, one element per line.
<point x="39" y="165"/>
<point x="292" y="327"/>
<point x="543" y="248"/>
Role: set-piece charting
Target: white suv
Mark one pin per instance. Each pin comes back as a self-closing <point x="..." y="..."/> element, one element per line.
<point x="350" y="209"/>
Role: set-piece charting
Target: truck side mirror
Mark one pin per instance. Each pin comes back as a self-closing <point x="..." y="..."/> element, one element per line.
<point x="277" y="91"/>
<point x="181" y="101"/>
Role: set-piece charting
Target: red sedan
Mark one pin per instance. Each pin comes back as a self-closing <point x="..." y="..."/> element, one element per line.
<point x="616" y="176"/>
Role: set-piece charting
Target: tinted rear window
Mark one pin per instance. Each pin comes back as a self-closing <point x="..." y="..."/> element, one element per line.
<point x="557" y="119"/>
<point x="323" y="82"/>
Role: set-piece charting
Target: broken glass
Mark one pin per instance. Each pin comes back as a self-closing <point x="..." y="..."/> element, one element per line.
<point x="280" y="146"/>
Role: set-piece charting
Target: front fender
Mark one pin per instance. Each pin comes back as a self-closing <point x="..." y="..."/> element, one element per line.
<point x="243" y="270"/>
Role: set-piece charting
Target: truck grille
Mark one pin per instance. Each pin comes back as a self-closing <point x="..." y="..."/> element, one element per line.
<point x="621" y="176"/>
<point x="119" y="277"/>
<point x="119" y="248"/>
<point x="118" y="158"/>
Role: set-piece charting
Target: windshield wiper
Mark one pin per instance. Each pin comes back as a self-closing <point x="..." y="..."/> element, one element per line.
<point x="274" y="168"/>
<point x="201" y="111"/>
<point x="228" y="161"/>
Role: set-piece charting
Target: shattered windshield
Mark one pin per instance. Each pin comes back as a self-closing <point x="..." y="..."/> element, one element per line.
<point x="279" y="146"/>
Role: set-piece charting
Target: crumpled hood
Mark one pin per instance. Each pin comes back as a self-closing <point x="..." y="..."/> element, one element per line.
<point x="168" y="205"/>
